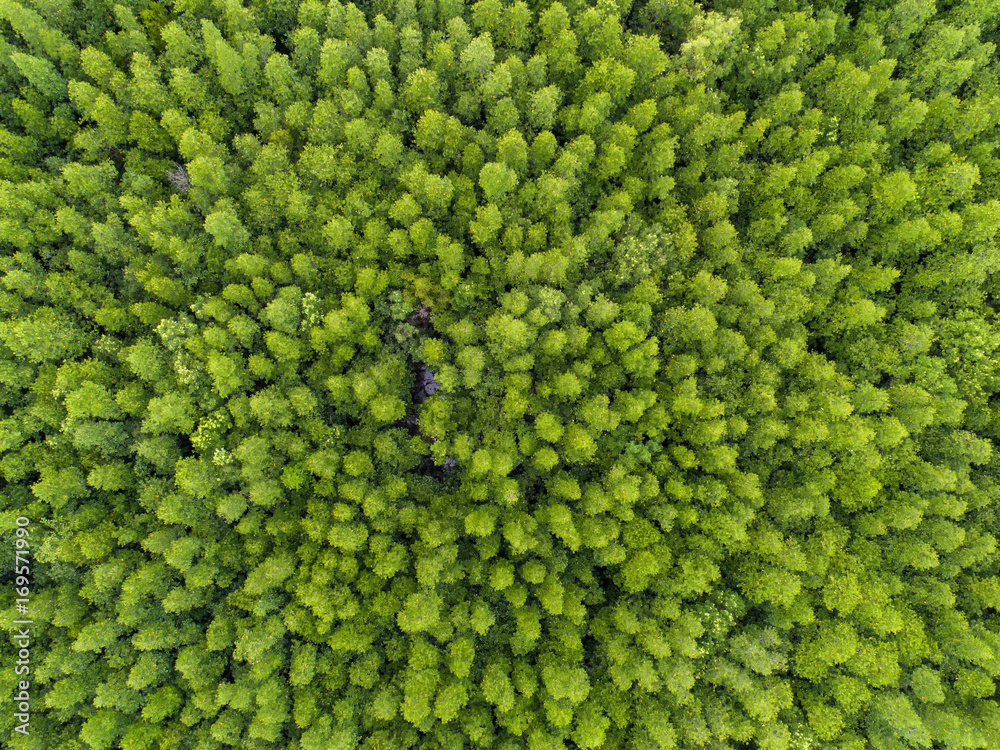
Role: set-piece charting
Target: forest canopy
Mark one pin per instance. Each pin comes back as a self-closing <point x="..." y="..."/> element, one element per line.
<point x="514" y="375"/>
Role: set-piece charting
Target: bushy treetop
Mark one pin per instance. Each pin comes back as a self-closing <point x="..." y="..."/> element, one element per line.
<point x="512" y="375"/>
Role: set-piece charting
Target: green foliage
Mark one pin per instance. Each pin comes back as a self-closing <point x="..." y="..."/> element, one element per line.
<point x="504" y="375"/>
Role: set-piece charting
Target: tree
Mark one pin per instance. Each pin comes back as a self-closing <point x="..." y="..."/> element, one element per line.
<point x="46" y="335"/>
<point x="422" y="91"/>
<point x="225" y="227"/>
<point x="496" y="180"/>
<point x="640" y="391"/>
<point x="497" y="687"/>
<point x="41" y="74"/>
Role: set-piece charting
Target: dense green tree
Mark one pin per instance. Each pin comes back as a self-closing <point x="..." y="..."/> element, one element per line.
<point x="514" y="375"/>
